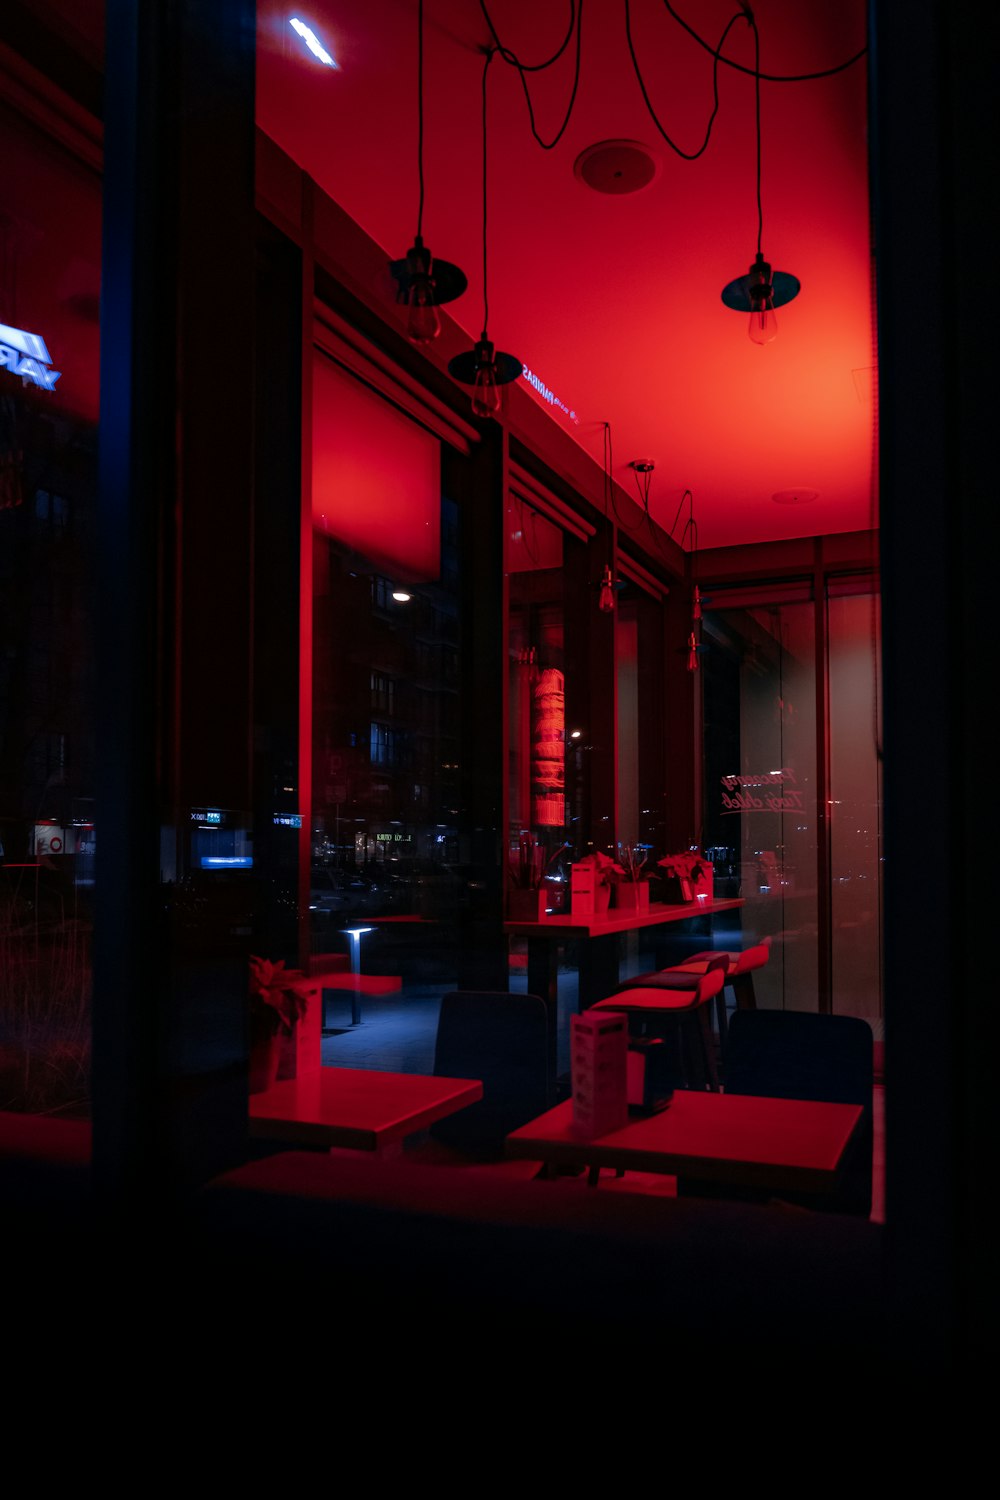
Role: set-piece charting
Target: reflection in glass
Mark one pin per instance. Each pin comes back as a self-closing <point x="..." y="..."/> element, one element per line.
<point x="760" y="783"/>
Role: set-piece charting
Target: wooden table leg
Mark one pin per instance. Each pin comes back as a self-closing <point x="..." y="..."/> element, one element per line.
<point x="543" y="981"/>
<point x="598" y="969"/>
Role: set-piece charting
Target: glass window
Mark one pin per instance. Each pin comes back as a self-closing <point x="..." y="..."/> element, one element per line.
<point x="542" y="746"/>
<point x="640" y="721"/>
<point x="385" y="848"/>
<point x="49" y="399"/>
<point x="760" y="781"/>
<point x="856" y="801"/>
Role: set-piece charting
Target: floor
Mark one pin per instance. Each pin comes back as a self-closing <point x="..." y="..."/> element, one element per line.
<point x="397" y="1033"/>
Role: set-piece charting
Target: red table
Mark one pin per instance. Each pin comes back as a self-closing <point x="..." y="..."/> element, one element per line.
<point x="356" y="1107"/>
<point x="597" y="941"/>
<point x="780" y="1145"/>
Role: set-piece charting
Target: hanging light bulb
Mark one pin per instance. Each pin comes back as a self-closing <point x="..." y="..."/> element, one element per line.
<point x="763" y="325"/>
<point x="424" y="322"/>
<point x="759" y="293"/>
<point x="485" y="387"/>
<point x="606" y="600"/>
<point x="485" y="368"/>
<point x="424" y="284"/>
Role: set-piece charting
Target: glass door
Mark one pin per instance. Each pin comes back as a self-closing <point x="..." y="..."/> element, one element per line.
<point x="761" y="780"/>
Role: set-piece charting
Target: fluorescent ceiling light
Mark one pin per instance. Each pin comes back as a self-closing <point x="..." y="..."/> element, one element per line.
<point x="312" y="41"/>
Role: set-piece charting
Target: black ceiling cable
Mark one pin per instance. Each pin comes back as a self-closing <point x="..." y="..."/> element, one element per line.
<point x="756" y="88"/>
<point x="486" y="291"/>
<point x="716" y="52"/>
<point x="420" y="115"/>
<point x="643" y="482"/>
<point x="690" y="525"/>
<point x="609" y="484"/>
<point x="767" y="77"/>
<point x="512" y="58"/>
<point x="575" y="23"/>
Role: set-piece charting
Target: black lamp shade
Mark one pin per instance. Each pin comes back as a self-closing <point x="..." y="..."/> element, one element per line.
<point x="783" y="288"/>
<point x="465" y="367"/>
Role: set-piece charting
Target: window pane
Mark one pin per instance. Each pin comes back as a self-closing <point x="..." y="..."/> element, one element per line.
<point x="386" y="726"/>
<point x="856" y="821"/>
<point x="760" y="759"/>
<point x="49" y="398"/>
<point x="540" y="741"/>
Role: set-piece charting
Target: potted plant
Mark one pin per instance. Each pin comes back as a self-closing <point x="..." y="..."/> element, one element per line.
<point x="527" y="898"/>
<point x="688" y="876"/>
<point x="632" y="890"/>
<point x="277" y="1004"/>
<point x="591" y="880"/>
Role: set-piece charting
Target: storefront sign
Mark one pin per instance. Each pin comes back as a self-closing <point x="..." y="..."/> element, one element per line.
<point x="207" y="816"/>
<point x="553" y="400"/>
<point x="52" y="838"/>
<point x="25" y="354"/>
<point x="762" y="791"/>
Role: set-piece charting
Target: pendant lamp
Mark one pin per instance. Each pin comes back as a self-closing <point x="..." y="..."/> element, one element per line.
<point x="423" y="283"/>
<point x="485" y="367"/>
<point x="761" y="290"/>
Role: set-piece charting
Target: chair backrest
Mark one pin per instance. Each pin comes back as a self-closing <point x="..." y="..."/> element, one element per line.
<point x="503" y="1039"/>
<point x="753" y="958"/>
<point x="709" y="983"/>
<point x="800" y="1055"/>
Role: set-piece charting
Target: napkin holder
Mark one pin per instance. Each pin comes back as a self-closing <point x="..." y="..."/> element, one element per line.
<point x="650" y="1076"/>
<point x="599" y="1067"/>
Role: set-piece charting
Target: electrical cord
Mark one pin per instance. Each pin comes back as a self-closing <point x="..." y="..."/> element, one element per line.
<point x="486" y="294"/>
<point x="609" y="485"/>
<point x="756" y="90"/>
<point x="512" y="58"/>
<point x="690" y="525"/>
<point x="575" y="23"/>
<point x="755" y="72"/>
<point x="420" y="113"/>
<point x="716" y="52"/>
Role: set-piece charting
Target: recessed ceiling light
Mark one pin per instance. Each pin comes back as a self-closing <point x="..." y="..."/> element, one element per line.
<point x="616" y="167"/>
<point x="312" y="41"/>
<point x="795" y="497"/>
<point x="401" y="596"/>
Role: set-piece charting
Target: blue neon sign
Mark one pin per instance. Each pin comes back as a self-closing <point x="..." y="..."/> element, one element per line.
<point x="25" y="354"/>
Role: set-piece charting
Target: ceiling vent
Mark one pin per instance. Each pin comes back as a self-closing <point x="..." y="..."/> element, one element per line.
<point x="616" y="167"/>
<point x="795" y="497"/>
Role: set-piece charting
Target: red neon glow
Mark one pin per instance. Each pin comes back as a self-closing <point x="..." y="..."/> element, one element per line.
<point x="376" y="477"/>
<point x="657" y="355"/>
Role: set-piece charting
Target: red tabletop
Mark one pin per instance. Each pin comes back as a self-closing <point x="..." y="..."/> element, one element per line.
<point x="782" y="1145"/>
<point x="608" y="923"/>
<point x="356" y="1107"/>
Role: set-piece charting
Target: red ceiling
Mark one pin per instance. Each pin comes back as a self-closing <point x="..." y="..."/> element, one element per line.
<point x="614" y="301"/>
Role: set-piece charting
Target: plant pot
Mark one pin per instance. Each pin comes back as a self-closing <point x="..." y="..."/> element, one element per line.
<point x="527" y="906"/>
<point x="632" y="895"/>
<point x="264" y="1057"/>
<point x="602" y="899"/>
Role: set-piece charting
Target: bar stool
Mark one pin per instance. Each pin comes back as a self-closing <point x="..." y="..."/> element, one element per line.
<point x="681" y="998"/>
<point x="741" y="964"/>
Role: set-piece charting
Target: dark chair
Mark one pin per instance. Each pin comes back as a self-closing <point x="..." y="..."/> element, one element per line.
<point x="504" y="1040"/>
<point x="800" y="1055"/>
